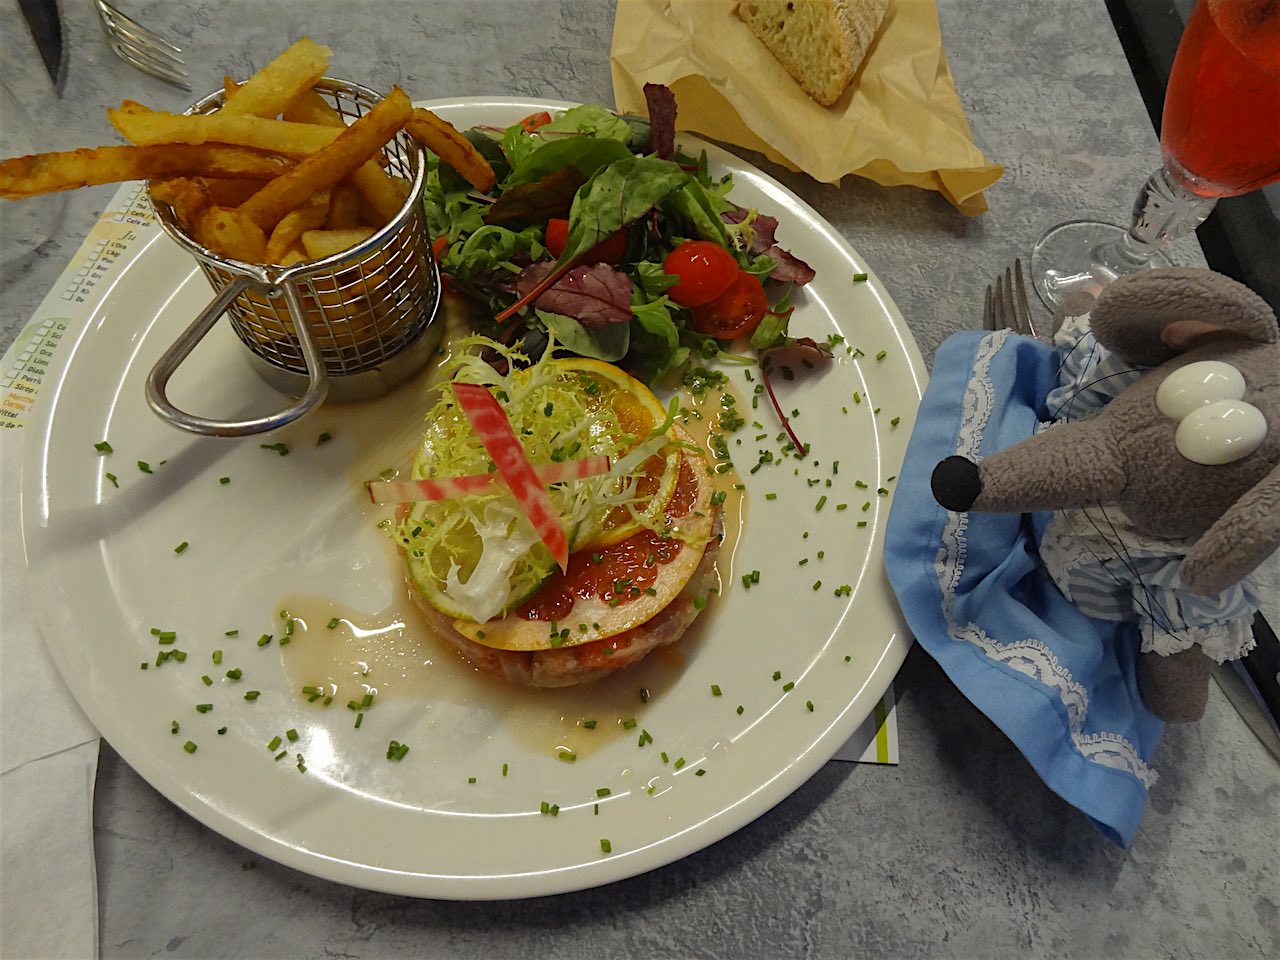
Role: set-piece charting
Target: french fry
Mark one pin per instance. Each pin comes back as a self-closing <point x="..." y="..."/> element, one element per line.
<point x="189" y="198"/>
<point x="443" y="139"/>
<point x="377" y="188"/>
<point x="229" y="192"/>
<point x="288" y="232"/>
<point x="383" y="195"/>
<point x="229" y="88"/>
<point x="325" y="243"/>
<point x="51" y="172"/>
<point x="150" y="127"/>
<point x="228" y="232"/>
<point x="344" y="207"/>
<point x="322" y="169"/>
<point x="273" y="88"/>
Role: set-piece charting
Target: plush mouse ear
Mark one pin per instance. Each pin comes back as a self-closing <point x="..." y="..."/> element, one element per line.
<point x="1236" y="545"/>
<point x="1146" y="318"/>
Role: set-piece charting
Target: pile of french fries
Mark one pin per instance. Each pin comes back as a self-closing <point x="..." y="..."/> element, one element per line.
<point x="274" y="176"/>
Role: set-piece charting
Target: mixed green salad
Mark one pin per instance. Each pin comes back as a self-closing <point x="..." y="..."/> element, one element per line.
<point x="604" y="237"/>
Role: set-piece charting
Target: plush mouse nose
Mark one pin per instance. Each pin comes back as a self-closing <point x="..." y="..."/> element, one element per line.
<point x="956" y="483"/>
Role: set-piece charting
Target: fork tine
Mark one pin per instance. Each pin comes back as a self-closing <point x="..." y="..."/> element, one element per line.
<point x="1023" y="305"/>
<point x="149" y="67"/>
<point x="988" y="311"/>
<point x="126" y="25"/>
<point x="1011" y="318"/>
<point x="142" y="48"/>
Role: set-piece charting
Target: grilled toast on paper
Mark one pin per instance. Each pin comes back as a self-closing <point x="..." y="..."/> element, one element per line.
<point x="821" y="43"/>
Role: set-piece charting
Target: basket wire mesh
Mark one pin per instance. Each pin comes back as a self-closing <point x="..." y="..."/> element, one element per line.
<point x="358" y="317"/>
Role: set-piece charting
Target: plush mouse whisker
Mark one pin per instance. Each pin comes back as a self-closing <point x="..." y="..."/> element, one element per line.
<point x="1152" y="608"/>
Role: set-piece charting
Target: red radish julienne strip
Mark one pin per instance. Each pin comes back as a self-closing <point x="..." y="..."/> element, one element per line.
<point x="449" y="488"/>
<point x="494" y="429"/>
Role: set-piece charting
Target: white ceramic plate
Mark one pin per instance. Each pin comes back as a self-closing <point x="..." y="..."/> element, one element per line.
<point x="294" y="532"/>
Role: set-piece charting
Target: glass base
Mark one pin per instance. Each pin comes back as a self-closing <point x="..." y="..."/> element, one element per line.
<point x="1068" y="270"/>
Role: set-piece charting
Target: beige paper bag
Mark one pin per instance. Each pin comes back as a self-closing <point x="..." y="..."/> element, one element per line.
<point x="900" y="122"/>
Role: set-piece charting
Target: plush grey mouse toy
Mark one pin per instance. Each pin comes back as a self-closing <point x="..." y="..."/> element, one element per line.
<point x="1189" y="453"/>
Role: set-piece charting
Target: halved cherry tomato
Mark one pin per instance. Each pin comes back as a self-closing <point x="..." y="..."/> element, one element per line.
<point x="609" y="250"/>
<point x="705" y="269"/>
<point x="535" y="120"/>
<point x="736" y="312"/>
<point x="439" y="245"/>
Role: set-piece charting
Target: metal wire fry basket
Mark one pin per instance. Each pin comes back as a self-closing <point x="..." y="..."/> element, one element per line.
<point x="348" y="327"/>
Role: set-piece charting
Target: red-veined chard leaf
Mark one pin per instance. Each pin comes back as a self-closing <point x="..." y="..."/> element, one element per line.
<point x="662" y="119"/>
<point x="537" y="202"/>
<point x="596" y="296"/>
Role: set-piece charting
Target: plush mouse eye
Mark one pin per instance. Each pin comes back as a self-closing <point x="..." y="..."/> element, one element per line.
<point x="1197" y="385"/>
<point x="1221" y="432"/>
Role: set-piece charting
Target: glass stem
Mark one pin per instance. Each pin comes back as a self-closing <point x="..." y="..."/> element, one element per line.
<point x="1163" y="212"/>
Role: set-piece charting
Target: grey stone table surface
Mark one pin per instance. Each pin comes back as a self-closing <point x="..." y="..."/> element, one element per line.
<point x="959" y="851"/>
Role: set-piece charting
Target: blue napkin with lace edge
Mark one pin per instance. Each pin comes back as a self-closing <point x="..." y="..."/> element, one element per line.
<point x="1062" y="686"/>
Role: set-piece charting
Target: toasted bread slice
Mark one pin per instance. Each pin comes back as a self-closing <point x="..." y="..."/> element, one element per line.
<point x="822" y="43"/>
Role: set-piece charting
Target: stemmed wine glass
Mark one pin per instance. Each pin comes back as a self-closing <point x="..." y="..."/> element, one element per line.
<point x="1219" y="136"/>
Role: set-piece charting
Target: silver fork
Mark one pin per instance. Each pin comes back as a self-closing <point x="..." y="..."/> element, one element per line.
<point x="1006" y="306"/>
<point x="139" y="47"/>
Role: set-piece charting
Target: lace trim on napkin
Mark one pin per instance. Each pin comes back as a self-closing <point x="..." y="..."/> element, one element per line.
<point x="1030" y="657"/>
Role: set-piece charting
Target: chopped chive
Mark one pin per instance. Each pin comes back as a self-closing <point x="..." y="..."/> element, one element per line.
<point x="217" y="657"/>
<point x="895" y="421"/>
<point x="182" y="547"/>
<point x="862" y="523"/>
<point x="665" y="758"/>
<point x="679" y="763"/>
<point x="822" y="502"/>
<point x="232" y="633"/>
<point x="847" y="658"/>
<point x="281" y="755"/>
<point x="234" y="674"/>
<point x="252" y="695"/>
<point x="739" y="709"/>
<point x="859" y="278"/>
<point x="396" y="750"/>
<point x="715" y="689"/>
<point x="224" y="480"/>
<point x="699" y="772"/>
<point x="173" y="727"/>
<point x="568" y="756"/>
<point x="292" y="735"/>
<point x="359" y="720"/>
<point x="629" y="724"/>
<point x="144" y="466"/>
<point x="809" y="705"/>
<point x="324" y="438"/>
<point x="645" y="737"/>
<point x="112" y="477"/>
<point x="190" y="747"/>
<point x="589" y="724"/>
<point x="471" y="779"/>
<point x="777" y="675"/>
<point x="881" y="355"/>
<point x="274" y="744"/>
<point x="603" y="791"/>
<point x="788" y="686"/>
<point x="280" y="448"/>
<point x="644" y="694"/>
<point x="504" y="769"/>
<point x="333" y="623"/>
<point x="222" y="731"/>
<point x="264" y="639"/>
<point x="203" y="707"/>
<point x="103" y="447"/>
<point x="605" y="846"/>
<point x="817" y="584"/>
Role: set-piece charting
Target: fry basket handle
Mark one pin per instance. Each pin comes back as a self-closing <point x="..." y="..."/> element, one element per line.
<point x="171" y="359"/>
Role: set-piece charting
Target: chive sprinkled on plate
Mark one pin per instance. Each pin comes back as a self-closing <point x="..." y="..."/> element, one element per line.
<point x="280" y="448"/>
<point x="112" y="477"/>
<point x="190" y="746"/>
<point x="144" y="466"/>
<point x="103" y="447"/>
<point x="605" y="845"/>
<point x="181" y="548"/>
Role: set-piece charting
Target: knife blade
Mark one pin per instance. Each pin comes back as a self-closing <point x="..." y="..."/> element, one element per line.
<point x="46" y="29"/>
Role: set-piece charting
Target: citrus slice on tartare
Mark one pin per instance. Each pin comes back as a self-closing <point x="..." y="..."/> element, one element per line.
<point x="477" y="557"/>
